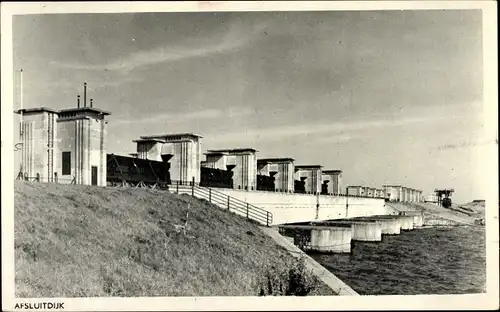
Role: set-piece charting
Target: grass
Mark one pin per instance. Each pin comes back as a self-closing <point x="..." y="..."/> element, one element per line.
<point x="85" y="241"/>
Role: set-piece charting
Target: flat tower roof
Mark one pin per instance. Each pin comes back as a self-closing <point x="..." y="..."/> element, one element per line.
<point x="234" y="150"/>
<point x="35" y="110"/>
<point x="149" y="140"/>
<point x="271" y="160"/>
<point x="331" y="171"/>
<point x="308" y="166"/>
<point x="172" y="136"/>
<point x="85" y="109"/>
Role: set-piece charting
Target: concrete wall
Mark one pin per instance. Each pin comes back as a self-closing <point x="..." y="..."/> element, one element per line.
<point x="337" y="183"/>
<point x="288" y="208"/>
<point x="406" y="194"/>
<point x="284" y="179"/>
<point x="97" y="150"/>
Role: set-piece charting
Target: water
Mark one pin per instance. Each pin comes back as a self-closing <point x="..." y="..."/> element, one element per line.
<point x="441" y="260"/>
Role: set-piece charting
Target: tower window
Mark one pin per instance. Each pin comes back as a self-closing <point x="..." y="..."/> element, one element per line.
<point x="66" y="163"/>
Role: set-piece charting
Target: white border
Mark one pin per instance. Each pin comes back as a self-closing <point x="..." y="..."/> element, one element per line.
<point x="489" y="166"/>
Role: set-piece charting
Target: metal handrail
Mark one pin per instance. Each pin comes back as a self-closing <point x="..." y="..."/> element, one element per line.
<point x="222" y="196"/>
<point x="233" y="204"/>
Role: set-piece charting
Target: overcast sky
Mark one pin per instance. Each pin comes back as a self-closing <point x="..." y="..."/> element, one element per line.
<point x="390" y="97"/>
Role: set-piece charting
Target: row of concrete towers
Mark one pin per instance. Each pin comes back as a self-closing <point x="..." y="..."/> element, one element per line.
<point x="184" y="154"/>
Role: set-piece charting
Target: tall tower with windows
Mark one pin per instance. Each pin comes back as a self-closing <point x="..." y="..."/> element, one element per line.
<point x="64" y="146"/>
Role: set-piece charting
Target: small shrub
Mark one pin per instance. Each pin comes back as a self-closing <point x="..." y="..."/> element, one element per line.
<point x="294" y="281"/>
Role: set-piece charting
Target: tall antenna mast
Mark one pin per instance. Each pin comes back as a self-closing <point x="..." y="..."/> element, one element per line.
<point x="21" y="126"/>
<point x="21" y="99"/>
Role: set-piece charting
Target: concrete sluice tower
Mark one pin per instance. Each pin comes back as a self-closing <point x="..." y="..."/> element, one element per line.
<point x="242" y="161"/>
<point x="355" y="190"/>
<point x="283" y="171"/>
<point x="182" y="151"/>
<point x="333" y="179"/>
<point x="311" y="174"/>
<point x="64" y="146"/>
<point x="400" y="193"/>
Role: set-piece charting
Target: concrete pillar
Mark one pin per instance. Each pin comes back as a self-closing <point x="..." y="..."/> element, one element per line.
<point x="406" y="223"/>
<point x="418" y="220"/>
<point x="331" y="239"/>
<point x="365" y="191"/>
<point x="86" y="179"/>
<point x="390" y="226"/>
<point x="103" y="150"/>
<point x="396" y="226"/>
<point x="366" y="231"/>
<point x="399" y="191"/>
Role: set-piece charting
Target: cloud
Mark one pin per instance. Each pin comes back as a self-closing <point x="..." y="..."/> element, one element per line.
<point x="234" y="39"/>
<point x="466" y="144"/>
<point x="338" y="129"/>
<point x="184" y="117"/>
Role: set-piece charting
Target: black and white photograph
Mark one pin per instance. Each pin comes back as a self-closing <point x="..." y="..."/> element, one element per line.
<point x="264" y="156"/>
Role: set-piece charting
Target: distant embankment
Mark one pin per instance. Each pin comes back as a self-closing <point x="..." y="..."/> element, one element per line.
<point x="86" y="241"/>
<point x="291" y="208"/>
<point x="434" y="214"/>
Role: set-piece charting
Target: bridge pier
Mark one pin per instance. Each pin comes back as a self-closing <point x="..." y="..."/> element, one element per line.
<point x="331" y="239"/>
<point x="391" y="226"/>
<point x="406" y="223"/>
<point x="366" y="231"/>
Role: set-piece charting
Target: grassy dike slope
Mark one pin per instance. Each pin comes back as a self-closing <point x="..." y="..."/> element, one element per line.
<point x="85" y="241"/>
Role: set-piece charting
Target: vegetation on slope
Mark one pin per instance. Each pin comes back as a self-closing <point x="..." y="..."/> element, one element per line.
<point x="85" y="241"/>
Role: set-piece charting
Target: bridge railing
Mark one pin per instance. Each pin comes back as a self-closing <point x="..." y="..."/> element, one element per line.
<point x="223" y="201"/>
